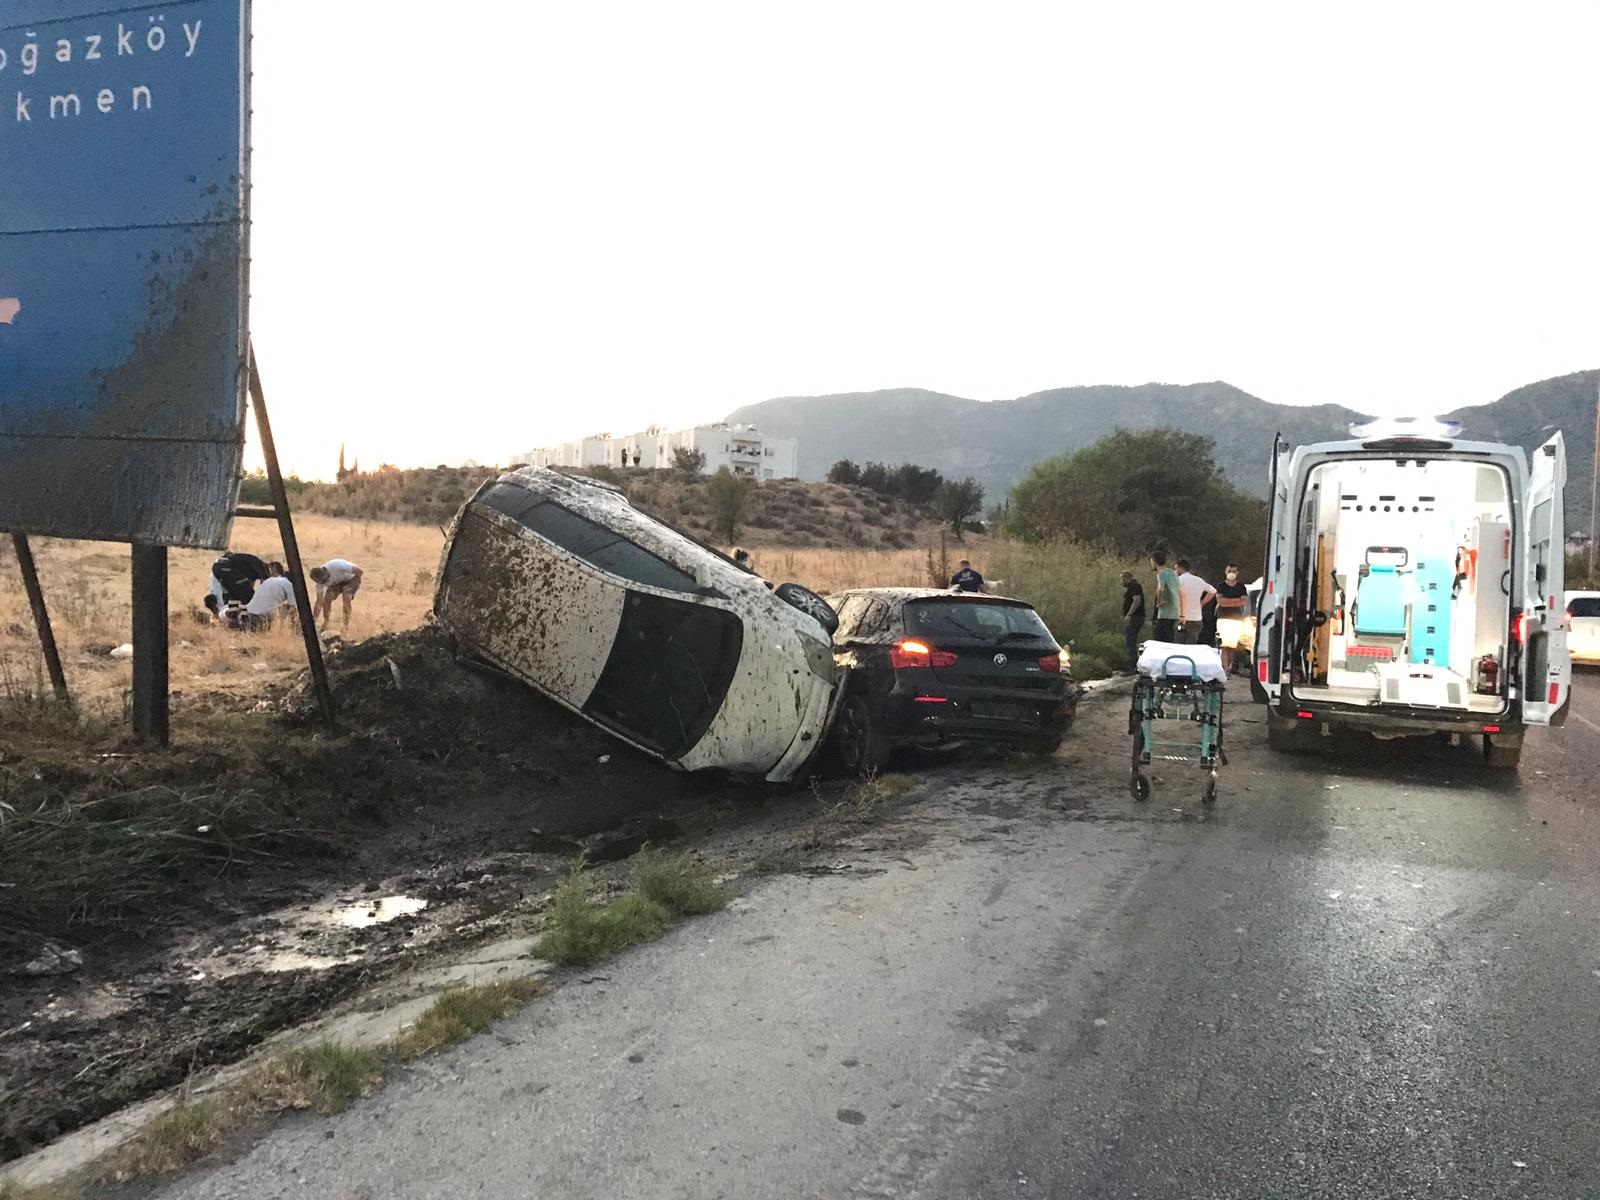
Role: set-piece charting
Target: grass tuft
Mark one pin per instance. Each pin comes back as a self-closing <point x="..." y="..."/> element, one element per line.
<point x="580" y="931"/>
<point x="323" y="1078"/>
<point x="678" y="883"/>
<point x="862" y="796"/>
<point x="461" y="1012"/>
<point x="10" y="1189"/>
<point x="174" y="1139"/>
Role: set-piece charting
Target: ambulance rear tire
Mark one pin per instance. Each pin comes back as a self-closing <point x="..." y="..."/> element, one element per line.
<point x="1498" y="756"/>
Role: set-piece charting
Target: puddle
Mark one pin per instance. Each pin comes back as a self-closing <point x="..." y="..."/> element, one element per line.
<point x="363" y="916"/>
<point x="261" y="961"/>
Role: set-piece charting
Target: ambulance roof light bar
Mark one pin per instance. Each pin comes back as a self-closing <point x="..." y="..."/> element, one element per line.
<point x="1422" y="429"/>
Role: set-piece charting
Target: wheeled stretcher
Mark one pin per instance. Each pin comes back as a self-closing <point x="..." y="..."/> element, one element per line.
<point x="1176" y="714"/>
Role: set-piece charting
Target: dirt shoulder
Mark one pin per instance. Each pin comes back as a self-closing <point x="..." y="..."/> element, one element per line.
<point x="162" y="911"/>
<point x="278" y="870"/>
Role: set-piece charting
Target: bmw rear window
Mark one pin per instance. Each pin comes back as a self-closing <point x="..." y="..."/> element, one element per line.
<point x="1584" y="606"/>
<point x="939" y="617"/>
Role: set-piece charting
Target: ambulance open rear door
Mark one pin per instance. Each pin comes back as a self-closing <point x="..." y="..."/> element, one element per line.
<point x="1546" y="668"/>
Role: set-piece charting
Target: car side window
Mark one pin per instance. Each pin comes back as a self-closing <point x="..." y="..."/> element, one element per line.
<point x="874" y="620"/>
<point x="602" y="548"/>
<point x="850" y="613"/>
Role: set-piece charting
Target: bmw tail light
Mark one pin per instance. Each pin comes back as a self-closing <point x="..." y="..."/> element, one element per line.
<point x="1051" y="663"/>
<point x="910" y="653"/>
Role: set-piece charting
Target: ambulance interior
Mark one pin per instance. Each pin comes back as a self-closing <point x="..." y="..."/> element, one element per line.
<point x="1406" y="565"/>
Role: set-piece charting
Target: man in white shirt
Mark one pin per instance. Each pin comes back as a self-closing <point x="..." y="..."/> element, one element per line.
<point x="1195" y="593"/>
<point x="272" y="597"/>
<point x="336" y="577"/>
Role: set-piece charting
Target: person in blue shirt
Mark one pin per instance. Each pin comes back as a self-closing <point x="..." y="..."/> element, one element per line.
<point x="966" y="579"/>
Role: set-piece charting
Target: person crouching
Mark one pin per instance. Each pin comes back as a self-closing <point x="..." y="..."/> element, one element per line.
<point x="271" y="598"/>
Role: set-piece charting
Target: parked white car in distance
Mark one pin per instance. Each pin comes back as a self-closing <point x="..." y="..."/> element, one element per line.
<point x="1583" y="630"/>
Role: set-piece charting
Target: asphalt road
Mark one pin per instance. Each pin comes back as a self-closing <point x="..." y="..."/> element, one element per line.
<point x="1374" y="973"/>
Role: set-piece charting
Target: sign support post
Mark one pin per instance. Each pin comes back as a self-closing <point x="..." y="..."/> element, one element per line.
<point x="41" y="616"/>
<point x="150" y="701"/>
<point x="291" y="545"/>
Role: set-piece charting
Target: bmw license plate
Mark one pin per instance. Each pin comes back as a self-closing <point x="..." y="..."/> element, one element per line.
<point x="997" y="710"/>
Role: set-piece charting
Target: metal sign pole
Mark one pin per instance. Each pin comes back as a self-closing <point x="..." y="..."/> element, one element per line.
<point x="291" y="545"/>
<point x="150" y="700"/>
<point x="41" y="616"/>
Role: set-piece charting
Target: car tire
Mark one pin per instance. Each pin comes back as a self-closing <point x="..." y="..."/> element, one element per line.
<point x="1498" y="756"/>
<point x="858" y="738"/>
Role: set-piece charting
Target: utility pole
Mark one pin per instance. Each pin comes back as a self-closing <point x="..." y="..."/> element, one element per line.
<point x="1594" y="482"/>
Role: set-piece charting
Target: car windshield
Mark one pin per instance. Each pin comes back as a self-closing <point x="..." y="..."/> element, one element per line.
<point x="973" y="618"/>
<point x="1584" y="606"/>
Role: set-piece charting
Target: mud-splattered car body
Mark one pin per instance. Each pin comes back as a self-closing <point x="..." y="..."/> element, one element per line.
<point x="657" y="638"/>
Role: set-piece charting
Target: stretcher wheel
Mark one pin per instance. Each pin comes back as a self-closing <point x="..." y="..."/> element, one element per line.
<point x="1141" y="786"/>
<point x="1209" y="796"/>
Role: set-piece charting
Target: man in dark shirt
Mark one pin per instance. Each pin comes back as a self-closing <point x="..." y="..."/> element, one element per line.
<point x="1132" y="619"/>
<point x="966" y="579"/>
<point x="233" y="579"/>
<point x="1233" y="610"/>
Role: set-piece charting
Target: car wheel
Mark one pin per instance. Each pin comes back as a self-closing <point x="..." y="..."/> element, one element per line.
<point x="861" y="744"/>
<point x="808" y="602"/>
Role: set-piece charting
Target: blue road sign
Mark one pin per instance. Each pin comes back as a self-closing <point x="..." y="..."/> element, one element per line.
<point x="123" y="250"/>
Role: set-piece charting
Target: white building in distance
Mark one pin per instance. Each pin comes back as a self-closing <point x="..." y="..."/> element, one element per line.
<point x="743" y="449"/>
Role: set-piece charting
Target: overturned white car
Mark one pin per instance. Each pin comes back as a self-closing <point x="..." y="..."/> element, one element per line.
<point x="652" y="635"/>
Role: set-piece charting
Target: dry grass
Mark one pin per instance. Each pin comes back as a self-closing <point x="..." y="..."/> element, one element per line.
<point x="828" y="571"/>
<point x="176" y="1138"/>
<point x="87" y="589"/>
<point x="114" y="862"/>
<point x="10" y="1189"/>
<point x="323" y="1077"/>
<point x="87" y="585"/>
<point x="461" y="1012"/>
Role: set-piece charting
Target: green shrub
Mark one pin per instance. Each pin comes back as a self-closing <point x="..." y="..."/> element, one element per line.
<point x="1077" y="590"/>
<point x="678" y="883"/>
<point x="580" y="931"/>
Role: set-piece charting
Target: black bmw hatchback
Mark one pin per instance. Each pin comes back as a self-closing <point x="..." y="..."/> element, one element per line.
<point x="920" y="667"/>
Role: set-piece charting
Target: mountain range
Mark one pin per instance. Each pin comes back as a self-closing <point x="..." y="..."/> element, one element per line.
<point x="997" y="441"/>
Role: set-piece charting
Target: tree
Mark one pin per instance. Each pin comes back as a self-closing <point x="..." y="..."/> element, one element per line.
<point x="730" y="497"/>
<point x="1132" y="492"/>
<point x="958" y="499"/>
<point x="844" y="471"/>
<point x="687" y="460"/>
<point x="876" y="477"/>
<point x="917" y="485"/>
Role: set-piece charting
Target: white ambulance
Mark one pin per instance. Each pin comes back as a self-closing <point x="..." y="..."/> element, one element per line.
<point x="1413" y="587"/>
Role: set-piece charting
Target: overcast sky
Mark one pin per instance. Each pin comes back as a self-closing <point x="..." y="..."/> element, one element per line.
<point x="488" y="227"/>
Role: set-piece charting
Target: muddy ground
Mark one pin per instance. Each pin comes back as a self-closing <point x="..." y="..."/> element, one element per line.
<point x="441" y="812"/>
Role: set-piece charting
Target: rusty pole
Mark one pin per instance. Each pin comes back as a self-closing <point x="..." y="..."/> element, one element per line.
<point x="291" y="545"/>
<point x="41" y="616"/>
